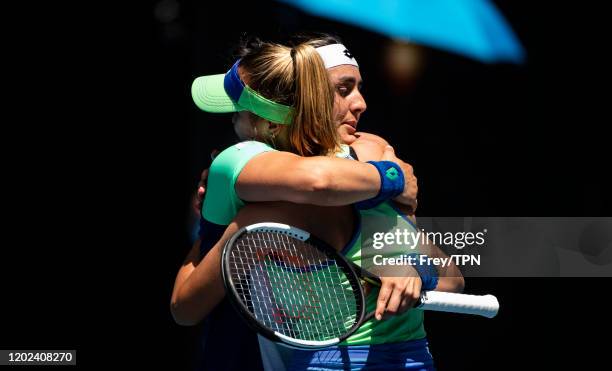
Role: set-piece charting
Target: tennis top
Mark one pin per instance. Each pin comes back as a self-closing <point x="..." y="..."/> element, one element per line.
<point x="221" y="203"/>
<point x="407" y="326"/>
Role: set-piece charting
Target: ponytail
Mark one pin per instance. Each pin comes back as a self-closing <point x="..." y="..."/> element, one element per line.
<point x="313" y="131"/>
<point x="295" y="77"/>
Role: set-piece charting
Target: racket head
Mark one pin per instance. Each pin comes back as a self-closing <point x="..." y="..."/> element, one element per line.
<point x="292" y="287"/>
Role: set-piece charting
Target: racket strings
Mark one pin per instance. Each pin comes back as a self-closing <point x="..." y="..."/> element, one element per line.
<point x="292" y="287"/>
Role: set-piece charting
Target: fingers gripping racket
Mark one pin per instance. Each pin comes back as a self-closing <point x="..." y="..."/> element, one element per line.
<point x="294" y="288"/>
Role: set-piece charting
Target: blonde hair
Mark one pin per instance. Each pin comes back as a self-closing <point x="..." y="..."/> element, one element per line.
<point x="296" y="77"/>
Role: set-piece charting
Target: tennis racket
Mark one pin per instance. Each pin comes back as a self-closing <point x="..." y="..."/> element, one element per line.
<point x="292" y="287"/>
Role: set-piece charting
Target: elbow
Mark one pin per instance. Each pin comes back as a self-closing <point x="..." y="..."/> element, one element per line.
<point x="455" y="283"/>
<point x="181" y="314"/>
<point x="316" y="187"/>
<point x="451" y="284"/>
<point x="321" y="182"/>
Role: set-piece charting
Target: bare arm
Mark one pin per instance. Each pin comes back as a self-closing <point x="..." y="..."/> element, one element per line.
<point x="198" y="287"/>
<point x="319" y="180"/>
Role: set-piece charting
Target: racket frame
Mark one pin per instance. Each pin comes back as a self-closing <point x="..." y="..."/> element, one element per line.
<point x="293" y="232"/>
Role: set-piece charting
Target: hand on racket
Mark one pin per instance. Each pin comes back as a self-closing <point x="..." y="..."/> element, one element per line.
<point x="396" y="294"/>
<point x="293" y="288"/>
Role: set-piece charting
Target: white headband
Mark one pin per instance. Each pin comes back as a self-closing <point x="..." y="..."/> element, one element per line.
<point x="336" y="55"/>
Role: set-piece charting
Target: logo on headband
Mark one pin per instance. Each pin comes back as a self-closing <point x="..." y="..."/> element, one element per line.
<point x="348" y="54"/>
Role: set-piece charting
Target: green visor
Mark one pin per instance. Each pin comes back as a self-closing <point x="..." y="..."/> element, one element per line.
<point x="227" y="93"/>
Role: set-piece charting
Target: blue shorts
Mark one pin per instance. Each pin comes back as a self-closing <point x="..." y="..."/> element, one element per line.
<point x="409" y="355"/>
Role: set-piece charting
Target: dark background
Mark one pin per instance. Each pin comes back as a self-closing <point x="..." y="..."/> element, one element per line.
<point x="105" y="148"/>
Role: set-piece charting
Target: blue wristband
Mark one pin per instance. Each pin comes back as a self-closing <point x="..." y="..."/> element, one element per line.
<point x="391" y="184"/>
<point x="427" y="272"/>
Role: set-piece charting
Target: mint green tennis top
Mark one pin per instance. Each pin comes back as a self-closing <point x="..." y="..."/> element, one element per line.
<point x="221" y="203"/>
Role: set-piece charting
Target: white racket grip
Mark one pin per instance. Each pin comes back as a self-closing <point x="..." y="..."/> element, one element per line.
<point x="482" y="305"/>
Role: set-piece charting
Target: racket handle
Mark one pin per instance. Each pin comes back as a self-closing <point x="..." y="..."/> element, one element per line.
<point x="482" y="305"/>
